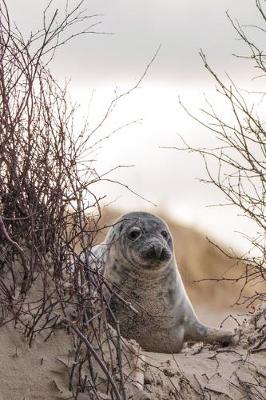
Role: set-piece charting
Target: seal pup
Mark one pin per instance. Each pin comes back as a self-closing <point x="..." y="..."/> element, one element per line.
<point x="140" y="268"/>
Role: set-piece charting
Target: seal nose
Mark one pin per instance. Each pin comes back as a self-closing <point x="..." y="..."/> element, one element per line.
<point x="165" y="255"/>
<point x="157" y="252"/>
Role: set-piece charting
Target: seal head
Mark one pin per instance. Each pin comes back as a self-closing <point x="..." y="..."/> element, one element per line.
<point x="142" y="241"/>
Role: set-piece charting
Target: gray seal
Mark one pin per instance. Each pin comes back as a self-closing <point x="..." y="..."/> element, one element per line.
<point x="145" y="291"/>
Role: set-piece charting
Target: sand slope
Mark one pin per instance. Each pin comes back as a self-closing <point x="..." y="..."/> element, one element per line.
<point x="198" y="372"/>
<point x="33" y="373"/>
<point x="43" y="370"/>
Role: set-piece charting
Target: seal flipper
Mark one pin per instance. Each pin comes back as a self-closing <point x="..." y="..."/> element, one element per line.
<point x="96" y="258"/>
<point x="94" y="263"/>
<point x="214" y="335"/>
<point x="195" y="331"/>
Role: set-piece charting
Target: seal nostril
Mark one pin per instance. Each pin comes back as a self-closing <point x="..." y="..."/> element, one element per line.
<point x="158" y="252"/>
<point x="151" y="252"/>
<point x="165" y="255"/>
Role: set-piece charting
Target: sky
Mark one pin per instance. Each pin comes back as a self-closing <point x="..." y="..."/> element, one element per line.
<point x="128" y="35"/>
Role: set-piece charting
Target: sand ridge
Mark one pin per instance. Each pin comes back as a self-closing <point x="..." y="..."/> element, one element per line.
<point x="198" y="372"/>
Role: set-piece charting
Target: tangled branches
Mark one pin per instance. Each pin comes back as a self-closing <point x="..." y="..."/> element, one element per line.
<point x="236" y="163"/>
<point x="47" y="207"/>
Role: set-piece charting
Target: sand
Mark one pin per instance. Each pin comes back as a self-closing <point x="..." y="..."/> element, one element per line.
<point x="198" y="372"/>
<point x="33" y="373"/>
<point x="43" y="370"/>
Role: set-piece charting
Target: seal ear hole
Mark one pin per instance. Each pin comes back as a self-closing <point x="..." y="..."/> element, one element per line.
<point x="134" y="233"/>
<point x="164" y="234"/>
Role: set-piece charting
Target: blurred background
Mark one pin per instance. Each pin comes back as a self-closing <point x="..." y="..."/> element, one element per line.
<point x="103" y="65"/>
<point x="98" y="65"/>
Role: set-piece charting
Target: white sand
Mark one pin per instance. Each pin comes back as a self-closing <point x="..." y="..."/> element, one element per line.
<point x="198" y="372"/>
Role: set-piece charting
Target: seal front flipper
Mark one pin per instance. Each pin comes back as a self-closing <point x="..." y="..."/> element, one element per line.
<point x="198" y="332"/>
<point x="215" y="335"/>
<point x="93" y="261"/>
<point x="95" y="258"/>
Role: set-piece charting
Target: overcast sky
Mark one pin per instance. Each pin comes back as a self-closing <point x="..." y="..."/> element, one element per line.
<point x="99" y="64"/>
<point x="137" y="28"/>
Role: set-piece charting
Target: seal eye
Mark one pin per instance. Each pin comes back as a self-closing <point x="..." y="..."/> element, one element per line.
<point x="164" y="234"/>
<point x="134" y="233"/>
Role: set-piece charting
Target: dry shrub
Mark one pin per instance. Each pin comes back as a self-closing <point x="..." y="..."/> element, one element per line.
<point x="46" y="197"/>
<point x="234" y="159"/>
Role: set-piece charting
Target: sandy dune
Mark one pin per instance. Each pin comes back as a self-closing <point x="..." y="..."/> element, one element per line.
<point x="198" y="372"/>
<point x="43" y="370"/>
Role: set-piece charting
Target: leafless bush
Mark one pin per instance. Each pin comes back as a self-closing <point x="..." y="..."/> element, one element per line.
<point x="48" y="206"/>
<point x="237" y="163"/>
